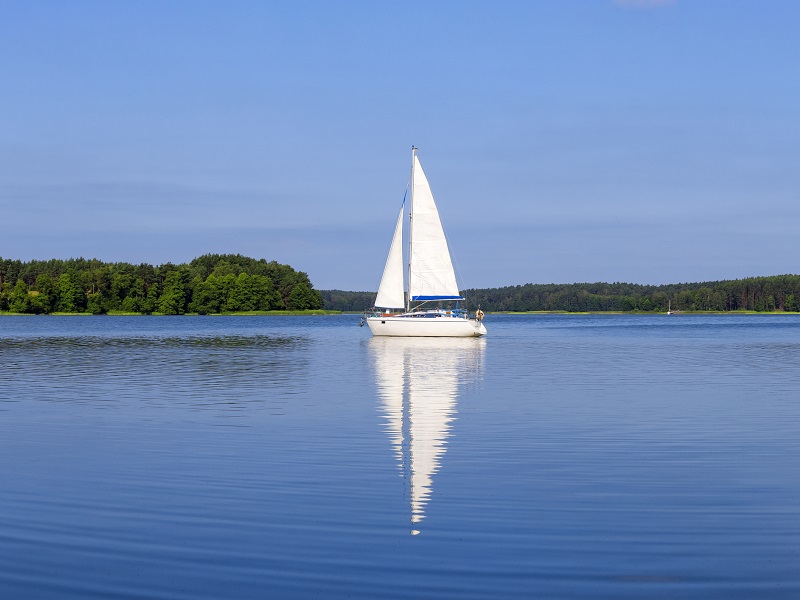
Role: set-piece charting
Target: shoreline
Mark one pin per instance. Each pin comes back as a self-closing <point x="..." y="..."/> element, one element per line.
<point x="118" y="313"/>
<point x="322" y="312"/>
<point x="645" y="313"/>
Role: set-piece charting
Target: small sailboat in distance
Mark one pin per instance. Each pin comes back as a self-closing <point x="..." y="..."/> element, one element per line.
<point x="669" y="307"/>
<point x="431" y="277"/>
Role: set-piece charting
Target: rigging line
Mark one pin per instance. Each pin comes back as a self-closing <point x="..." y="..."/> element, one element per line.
<point x="406" y="232"/>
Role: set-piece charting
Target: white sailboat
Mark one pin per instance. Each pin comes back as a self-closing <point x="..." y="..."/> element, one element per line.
<point x="431" y="277"/>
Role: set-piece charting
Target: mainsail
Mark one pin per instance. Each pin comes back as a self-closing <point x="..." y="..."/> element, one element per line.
<point x="431" y="275"/>
<point x="390" y="291"/>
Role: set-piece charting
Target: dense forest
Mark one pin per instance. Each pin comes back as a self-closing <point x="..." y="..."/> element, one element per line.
<point x="763" y="294"/>
<point x="215" y="283"/>
<point x="210" y="284"/>
<point x="347" y="301"/>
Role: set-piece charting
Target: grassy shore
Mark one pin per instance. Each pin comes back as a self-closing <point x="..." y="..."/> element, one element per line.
<point x="280" y="313"/>
<point x="646" y="312"/>
<point x="250" y="313"/>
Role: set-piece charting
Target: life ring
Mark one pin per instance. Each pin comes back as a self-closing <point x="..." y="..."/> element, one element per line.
<point x="479" y="315"/>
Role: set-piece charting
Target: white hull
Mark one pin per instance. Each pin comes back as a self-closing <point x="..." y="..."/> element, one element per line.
<point x="425" y="327"/>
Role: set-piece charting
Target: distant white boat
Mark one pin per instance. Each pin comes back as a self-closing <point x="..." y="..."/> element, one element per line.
<point x="669" y="307"/>
<point x="431" y="277"/>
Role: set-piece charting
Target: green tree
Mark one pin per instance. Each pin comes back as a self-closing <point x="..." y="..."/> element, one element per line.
<point x="173" y="297"/>
<point x="150" y="302"/>
<point x="121" y="287"/>
<point x="48" y="293"/>
<point x="790" y="304"/>
<point x="268" y="296"/>
<point x="205" y="296"/>
<point x="224" y="268"/>
<point x="70" y="295"/>
<point x="134" y="300"/>
<point x="39" y="304"/>
<point x="244" y="293"/>
<point x="224" y="290"/>
<point x="131" y="304"/>
<point x="94" y="304"/>
<point x="20" y="301"/>
<point x="303" y="297"/>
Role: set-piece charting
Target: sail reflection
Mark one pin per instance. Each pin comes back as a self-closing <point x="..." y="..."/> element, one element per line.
<point x="418" y="382"/>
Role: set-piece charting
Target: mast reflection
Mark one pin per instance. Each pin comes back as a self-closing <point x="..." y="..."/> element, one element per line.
<point x="418" y="381"/>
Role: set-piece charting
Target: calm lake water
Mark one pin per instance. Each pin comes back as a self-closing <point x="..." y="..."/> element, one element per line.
<point x="298" y="457"/>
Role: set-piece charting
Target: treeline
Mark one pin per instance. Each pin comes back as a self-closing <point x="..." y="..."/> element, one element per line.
<point x="763" y="294"/>
<point x="210" y="284"/>
<point x="347" y="301"/>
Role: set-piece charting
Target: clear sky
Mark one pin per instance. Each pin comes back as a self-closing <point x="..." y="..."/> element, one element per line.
<point x="565" y="141"/>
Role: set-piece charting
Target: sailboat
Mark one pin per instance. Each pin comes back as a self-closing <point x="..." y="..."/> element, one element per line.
<point x="431" y="277"/>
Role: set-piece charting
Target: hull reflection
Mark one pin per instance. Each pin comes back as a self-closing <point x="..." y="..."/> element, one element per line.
<point x="418" y="382"/>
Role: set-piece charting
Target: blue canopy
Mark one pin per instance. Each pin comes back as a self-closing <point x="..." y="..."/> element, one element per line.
<point x="421" y="298"/>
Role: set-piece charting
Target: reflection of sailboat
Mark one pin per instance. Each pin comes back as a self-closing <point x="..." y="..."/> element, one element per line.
<point x="418" y="382"/>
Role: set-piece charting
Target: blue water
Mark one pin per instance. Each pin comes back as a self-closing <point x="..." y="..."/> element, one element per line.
<point x="297" y="457"/>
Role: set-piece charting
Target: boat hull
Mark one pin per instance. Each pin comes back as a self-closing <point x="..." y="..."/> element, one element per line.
<point x="425" y="327"/>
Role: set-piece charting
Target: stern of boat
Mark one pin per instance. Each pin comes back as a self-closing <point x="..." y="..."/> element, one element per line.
<point x="480" y="328"/>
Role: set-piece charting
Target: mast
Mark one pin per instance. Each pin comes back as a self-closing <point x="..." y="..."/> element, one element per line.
<point x="410" y="228"/>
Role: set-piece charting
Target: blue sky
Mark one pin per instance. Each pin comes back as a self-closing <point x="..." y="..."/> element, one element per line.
<point x="588" y="140"/>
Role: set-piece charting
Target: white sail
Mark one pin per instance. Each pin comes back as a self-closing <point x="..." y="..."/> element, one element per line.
<point x="431" y="275"/>
<point x="390" y="291"/>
